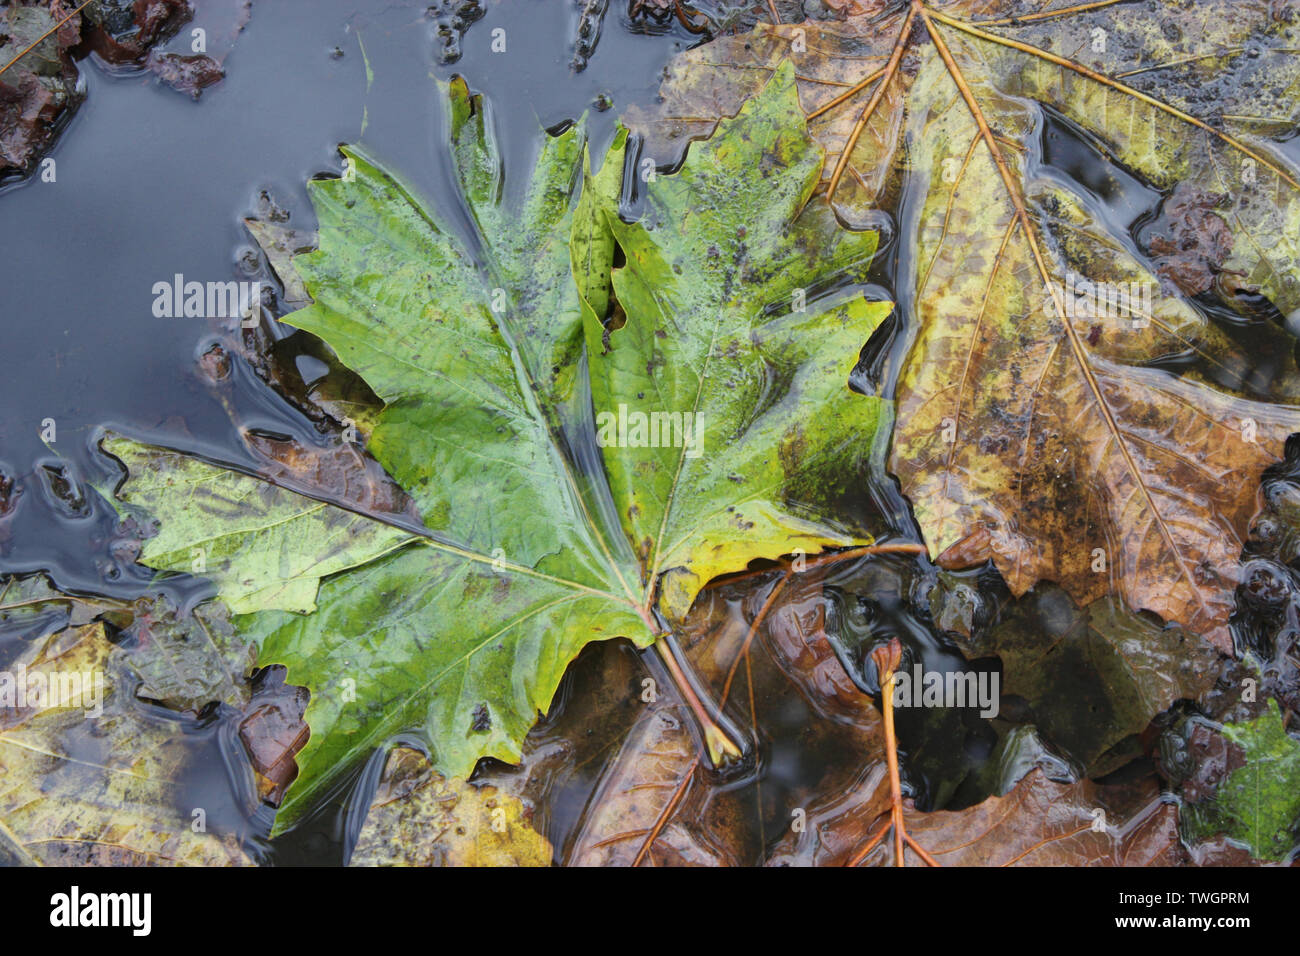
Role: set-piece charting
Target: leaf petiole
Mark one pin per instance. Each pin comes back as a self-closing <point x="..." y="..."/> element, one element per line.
<point x="721" y="747"/>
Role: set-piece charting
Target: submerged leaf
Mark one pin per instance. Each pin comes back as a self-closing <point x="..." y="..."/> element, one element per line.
<point x="37" y="91"/>
<point x="85" y="778"/>
<point x="1258" y="804"/>
<point x="280" y="243"/>
<point x="765" y="651"/>
<point x="1039" y="823"/>
<point x="1092" y="676"/>
<point x="418" y="818"/>
<point x="633" y="819"/>
<point x="187" y="661"/>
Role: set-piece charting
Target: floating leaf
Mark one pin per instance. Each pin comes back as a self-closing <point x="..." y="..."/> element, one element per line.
<point x="265" y="546"/>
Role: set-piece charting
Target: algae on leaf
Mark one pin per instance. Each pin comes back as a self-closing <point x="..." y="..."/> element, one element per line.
<point x="712" y="420"/>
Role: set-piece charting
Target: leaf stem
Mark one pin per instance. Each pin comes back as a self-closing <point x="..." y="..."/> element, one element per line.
<point x="721" y="748"/>
<point x="689" y="774"/>
<point x="901" y="547"/>
<point x="847" y="94"/>
<point x="887" y="659"/>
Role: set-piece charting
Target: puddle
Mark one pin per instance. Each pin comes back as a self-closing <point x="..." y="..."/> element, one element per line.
<point x="152" y="184"/>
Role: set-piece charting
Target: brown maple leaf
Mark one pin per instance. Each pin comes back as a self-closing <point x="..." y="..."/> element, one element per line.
<point x="1034" y="427"/>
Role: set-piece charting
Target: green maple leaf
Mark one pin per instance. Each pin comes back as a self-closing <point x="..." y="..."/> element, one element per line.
<point x="499" y="373"/>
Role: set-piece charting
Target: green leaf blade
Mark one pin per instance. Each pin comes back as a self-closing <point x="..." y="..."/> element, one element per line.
<point x="425" y="639"/>
<point x="727" y="385"/>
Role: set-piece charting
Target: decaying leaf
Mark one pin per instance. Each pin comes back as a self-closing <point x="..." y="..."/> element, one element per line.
<point x="419" y="818"/>
<point x="831" y="58"/>
<point x="1033" y="426"/>
<point x="86" y="777"/>
<point x="280" y="243"/>
<point x="123" y="31"/>
<point x="273" y="732"/>
<point x="36" y="91"/>
<point x="756" y="648"/>
<point x="31" y="607"/>
<point x="634" y="818"/>
<point x="451" y="18"/>
<point x="186" y="661"/>
<point x="535" y="546"/>
<point x="1039" y="823"/>
<point x="652" y="805"/>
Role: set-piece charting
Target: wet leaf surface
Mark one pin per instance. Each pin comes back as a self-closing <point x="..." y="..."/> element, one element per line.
<point x="713" y="80"/>
<point x="764" y="651"/>
<point x="1256" y="803"/>
<point x="478" y="424"/>
<point x="35" y="91"/>
<point x="1033" y="429"/>
<point x="186" y="661"/>
<point x="1092" y="676"/>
